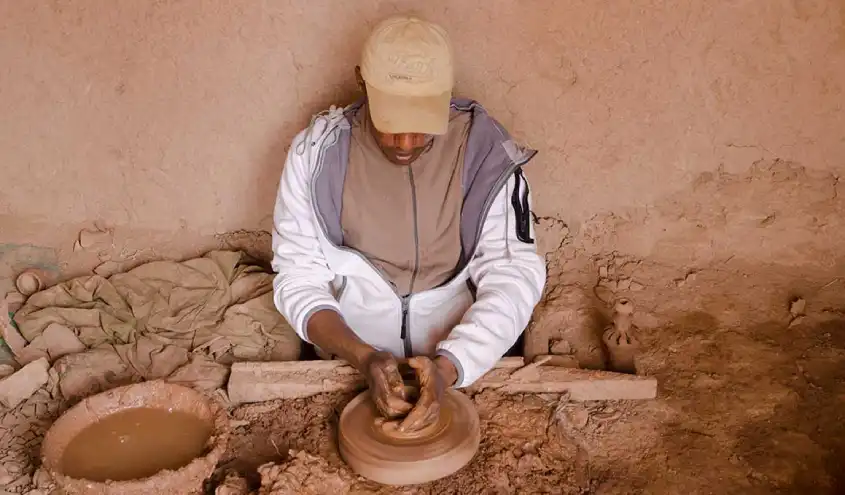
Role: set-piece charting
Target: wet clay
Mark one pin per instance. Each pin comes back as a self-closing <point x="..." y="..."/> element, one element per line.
<point x="377" y="450"/>
<point x="127" y="409"/>
<point x="134" y="444"/>
<point x="619" y="339"/>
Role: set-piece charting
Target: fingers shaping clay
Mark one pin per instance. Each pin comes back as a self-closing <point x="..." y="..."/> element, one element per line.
<point x="377" y="450"/>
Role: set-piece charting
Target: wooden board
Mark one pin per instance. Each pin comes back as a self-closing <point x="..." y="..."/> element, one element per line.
<point x="258" y="382"/>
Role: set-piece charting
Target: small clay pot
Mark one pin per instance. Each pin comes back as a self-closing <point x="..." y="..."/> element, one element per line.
<point x="186" y="480"/>
<point x="620" y="339"/>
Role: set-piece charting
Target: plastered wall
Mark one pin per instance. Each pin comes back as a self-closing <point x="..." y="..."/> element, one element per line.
<point x="686" y="131"/>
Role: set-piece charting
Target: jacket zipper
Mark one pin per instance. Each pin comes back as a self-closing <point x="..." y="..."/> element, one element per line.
<point x="405" y="300"/>
<point x="406" y="326"/>
<point x="342" y="288"/>
<point x="416" y="230"/>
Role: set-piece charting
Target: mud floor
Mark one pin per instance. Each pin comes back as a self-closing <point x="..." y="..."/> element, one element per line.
<point x="752" y="399"/>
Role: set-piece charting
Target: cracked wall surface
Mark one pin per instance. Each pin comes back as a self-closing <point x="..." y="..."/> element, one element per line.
<point x="690" y="133"/>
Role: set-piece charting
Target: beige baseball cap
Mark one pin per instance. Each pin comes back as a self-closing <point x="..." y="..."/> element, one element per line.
<point x="407" y="66"/>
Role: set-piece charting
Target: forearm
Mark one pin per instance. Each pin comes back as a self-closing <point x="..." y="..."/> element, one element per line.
<point x="447" y="370"/>
<point x="328" y="331"/>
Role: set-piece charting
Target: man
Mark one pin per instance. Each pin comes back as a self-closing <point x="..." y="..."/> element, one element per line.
<point x="403" y="228"/>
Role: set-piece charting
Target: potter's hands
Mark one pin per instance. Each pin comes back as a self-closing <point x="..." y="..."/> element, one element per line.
<point x="434" y="378"/>
<point x="386" y="386"/>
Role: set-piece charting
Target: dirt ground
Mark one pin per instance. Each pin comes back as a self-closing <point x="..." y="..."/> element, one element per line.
<point x="751" y="400"/>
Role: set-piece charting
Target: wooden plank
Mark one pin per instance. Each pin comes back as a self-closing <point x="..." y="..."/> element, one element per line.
<point x="258" y="382"/>
<point x="582" y="385"/>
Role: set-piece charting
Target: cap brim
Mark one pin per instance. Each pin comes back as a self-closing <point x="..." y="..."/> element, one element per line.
<point x="394" y="114"/>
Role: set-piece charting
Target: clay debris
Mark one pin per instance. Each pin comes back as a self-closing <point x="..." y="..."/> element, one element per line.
<point x="797" y="311"/>
<point x="305" y="474"/>
<point x="689" y="277"/>
<point x="233" y="484"/>
<point x="97" y="238"/>
<point x="21" y="432"/>
<point x="616" y="274"/>
<point x="20" y="386"/>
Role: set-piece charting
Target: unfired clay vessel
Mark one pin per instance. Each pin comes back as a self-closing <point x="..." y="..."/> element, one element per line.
<point x="378" y="451"/>
<point x="156" y="394"/>
<point x="619" y="338"/>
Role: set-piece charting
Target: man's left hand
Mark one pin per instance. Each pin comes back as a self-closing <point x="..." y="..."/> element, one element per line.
<point x="434" y="376"/>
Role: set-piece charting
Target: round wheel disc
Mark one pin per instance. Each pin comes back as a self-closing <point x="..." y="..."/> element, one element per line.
<point x="376" y="451"/>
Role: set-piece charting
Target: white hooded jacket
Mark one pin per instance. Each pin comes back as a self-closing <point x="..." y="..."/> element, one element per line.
<point x="473" y="318"/>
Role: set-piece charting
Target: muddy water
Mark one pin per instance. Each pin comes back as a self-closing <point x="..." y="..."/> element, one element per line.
<point x="135" y="443"/>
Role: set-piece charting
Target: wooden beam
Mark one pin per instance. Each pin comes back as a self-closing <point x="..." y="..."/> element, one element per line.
<point x="258" y="382"/>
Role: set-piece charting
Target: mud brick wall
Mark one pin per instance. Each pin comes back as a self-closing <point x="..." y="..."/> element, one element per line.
<point x="686" y="132"/>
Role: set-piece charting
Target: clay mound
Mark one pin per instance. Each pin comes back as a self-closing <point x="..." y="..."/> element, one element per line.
<point x="154" y="394"/>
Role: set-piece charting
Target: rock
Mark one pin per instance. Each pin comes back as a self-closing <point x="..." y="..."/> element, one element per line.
<point x="624" y="284"/>
<point x="636" y="286"/>
<point x="602" y="271"/>
<point x="22" y="384"/>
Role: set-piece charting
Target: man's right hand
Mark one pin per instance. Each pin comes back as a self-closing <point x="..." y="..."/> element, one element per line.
<point x="386" y="385"/>
<point x="328" y="331"/>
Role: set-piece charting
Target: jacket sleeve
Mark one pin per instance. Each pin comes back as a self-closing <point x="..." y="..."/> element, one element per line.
<point x="302" y="284"/>
<point x="509" y="277"/>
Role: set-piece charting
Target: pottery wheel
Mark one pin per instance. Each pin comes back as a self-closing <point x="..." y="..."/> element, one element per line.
<point x="376" y="450"/>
